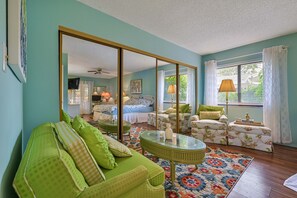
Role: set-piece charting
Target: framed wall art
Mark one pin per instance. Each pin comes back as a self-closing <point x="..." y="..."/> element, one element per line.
<point x="17" y="38"/>
<point x="136" y="86"/>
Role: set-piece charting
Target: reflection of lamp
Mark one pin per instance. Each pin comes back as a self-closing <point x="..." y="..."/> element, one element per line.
<point x="171" y="90"/>
<point x="95" y="93"/>
<point x="106" y="95"/>
<point x="227" y="86"/>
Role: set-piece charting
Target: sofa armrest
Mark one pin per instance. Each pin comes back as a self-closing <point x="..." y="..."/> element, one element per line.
<point x="194" y="118"/>
<point x="118" y="185"/>
<point x="223" y="119"/>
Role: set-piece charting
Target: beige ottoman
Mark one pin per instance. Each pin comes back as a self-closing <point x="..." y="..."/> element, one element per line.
<point x="255" y="137"/>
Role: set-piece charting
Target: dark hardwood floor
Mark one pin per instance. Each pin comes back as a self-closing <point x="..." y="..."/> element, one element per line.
<point x="266" y="174"/>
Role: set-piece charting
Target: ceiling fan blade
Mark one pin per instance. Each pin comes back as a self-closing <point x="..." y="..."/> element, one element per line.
<point x="93" y="71"/>
<point x="104" y="72"/>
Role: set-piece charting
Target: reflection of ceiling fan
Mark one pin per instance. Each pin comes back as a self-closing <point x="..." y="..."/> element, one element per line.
<point x="99" y="71"/>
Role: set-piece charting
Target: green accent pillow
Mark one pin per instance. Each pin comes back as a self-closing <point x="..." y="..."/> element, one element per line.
<point x="183" y="108"/>
<point x="210" y="108"/>
<point x="66" y="118"/>
<point x="79" y="123"/>
<point x="211" y="115"/>
<point x="170" y="110"/>
<point x="98" y="146"/>
<point x="118" y="149"/>
<point x="79" y="152"/>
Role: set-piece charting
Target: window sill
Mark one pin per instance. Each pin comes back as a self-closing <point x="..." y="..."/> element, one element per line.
<point x="241" y="104"/>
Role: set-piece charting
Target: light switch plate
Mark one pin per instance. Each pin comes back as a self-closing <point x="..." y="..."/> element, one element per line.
<point x="4" y="56"/>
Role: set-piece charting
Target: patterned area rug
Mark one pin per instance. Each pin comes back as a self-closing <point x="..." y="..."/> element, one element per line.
<point x="213" y="179"/>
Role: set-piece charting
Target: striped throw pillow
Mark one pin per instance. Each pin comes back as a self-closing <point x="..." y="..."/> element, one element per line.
<point x="80" y="153"/>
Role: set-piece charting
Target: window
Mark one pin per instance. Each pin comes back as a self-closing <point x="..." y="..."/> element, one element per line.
<point x="248" y="81"/>
<point x="73" y="96"/>
<point x="171" y="80"/>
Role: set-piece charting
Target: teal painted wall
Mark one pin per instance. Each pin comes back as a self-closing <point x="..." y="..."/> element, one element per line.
<point x="148" y="81"/>
<point x="41" y="92"/>
<point x="11" y="118"/>
<point x="289" y="40"/>
<point x="65" y="81"/>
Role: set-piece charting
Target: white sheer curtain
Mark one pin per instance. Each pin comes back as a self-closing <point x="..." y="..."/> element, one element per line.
<point x="86" y="88"/>
<point x="275" y="103"/>
<point x="210" y="86"/>
<point x="191" y="89"/>
<point x="160" y="99"/>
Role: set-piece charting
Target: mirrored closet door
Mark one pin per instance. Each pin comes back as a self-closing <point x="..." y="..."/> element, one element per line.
<point x="90" y="77"/>
<point x="122" y="90"/>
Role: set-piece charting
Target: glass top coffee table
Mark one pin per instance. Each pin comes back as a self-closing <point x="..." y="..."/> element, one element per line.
<point x="182" y="149"/>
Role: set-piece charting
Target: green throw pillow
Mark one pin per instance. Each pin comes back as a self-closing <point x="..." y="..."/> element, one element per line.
<point x="183" y="108"/>
<point x="79" y="123"/>
<point x="211" y="115"/>
<point x="210" y="108"/>
<point x="118" y="149"/>
<point x="98" y="146"/>
<point x="66" y="118"/>
<point x="170" y="110"/>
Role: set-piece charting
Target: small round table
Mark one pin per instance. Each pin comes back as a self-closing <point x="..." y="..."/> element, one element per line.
<point x="111" y="126"/>
<point x="182" y="149"/>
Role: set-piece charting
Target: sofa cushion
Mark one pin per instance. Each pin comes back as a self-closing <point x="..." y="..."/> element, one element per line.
<point x="46" y="169"/>
<point x="156" y="173"/>
<point x="80" y="153"/>
<point x="118" y="149"/>
<point x="210" y="108"/>
<point x="98" y="146"/>
<point x="212" y="115"/>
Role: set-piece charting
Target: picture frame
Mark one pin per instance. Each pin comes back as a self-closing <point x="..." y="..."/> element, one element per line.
<point x="136" y="86"/>
<point x="17" y="38"/>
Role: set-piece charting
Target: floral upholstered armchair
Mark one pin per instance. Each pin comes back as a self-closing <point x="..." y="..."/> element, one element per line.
<point x="169" y="116"/>
<point x="210" y="124"/>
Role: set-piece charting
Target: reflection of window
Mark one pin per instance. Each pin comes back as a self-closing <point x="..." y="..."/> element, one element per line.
<point x="73" y="96"/>
<point x="248" y="81"/>
<point x="171" y="80"/>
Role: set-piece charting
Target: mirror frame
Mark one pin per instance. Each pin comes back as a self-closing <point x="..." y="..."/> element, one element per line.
<point x="120" y="47"/>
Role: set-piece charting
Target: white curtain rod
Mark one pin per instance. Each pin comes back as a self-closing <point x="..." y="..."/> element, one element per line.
<point x="256" y="53"/>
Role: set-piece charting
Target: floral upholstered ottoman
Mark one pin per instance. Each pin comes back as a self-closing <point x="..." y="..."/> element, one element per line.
<point x="255" y="137"/>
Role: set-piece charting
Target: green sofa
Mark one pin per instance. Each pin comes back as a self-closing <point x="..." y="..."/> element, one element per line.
<point x="47" y="170"/>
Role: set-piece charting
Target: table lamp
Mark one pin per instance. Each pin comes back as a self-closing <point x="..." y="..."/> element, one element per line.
<point x="227" y="86"/>
<point x="171" y="90"/>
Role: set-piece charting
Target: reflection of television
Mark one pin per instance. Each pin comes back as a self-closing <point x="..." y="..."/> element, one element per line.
<point x="73" y="83"/>
<point x="96" y="98"/>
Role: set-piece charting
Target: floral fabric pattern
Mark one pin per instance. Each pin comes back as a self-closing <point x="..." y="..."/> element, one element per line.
<point x="254" y="137"/>
<point x="163" y="119"/>
<point x="212" y="131"/>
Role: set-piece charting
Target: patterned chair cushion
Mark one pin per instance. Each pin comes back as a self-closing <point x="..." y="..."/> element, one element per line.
<point x="80" y="153"/>
<point x="212" y="124"/>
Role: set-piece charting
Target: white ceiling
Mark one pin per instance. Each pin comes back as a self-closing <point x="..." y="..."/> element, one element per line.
<point x="206" y="26"/>
<point x="84" y="56"/>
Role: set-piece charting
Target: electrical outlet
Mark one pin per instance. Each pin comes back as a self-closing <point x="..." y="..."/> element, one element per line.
<point x="4" y="56"/>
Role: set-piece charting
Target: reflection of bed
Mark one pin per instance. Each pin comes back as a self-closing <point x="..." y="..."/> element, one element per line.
<point x="135" y="110"/>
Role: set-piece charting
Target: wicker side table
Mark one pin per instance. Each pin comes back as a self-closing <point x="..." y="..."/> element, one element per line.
<point x="185" y="150"/>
